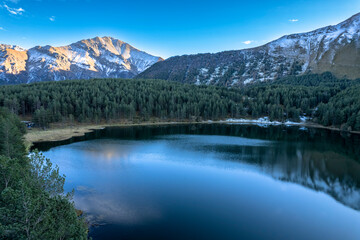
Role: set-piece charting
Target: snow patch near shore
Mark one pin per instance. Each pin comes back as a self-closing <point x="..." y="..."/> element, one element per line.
<point x="265" y="121"/>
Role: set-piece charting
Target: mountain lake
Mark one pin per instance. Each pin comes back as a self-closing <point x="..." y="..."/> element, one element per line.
<point x="213" y="181"/>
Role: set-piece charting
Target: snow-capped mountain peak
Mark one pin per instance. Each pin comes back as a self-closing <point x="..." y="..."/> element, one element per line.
<point x="98" y="57"/>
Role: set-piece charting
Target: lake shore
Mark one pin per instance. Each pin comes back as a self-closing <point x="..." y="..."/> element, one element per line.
<point x="60" y="132"/>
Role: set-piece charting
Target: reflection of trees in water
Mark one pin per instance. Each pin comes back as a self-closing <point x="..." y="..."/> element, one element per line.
<point x="349" y="145"/>
<point x="319" y="159"/>
<point x="327" y="171"/>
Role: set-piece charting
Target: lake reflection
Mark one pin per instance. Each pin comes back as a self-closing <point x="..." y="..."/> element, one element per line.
<point x="214" y="182"/>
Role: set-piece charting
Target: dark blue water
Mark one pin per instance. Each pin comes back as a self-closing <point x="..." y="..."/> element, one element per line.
<point x="214" y="182"/>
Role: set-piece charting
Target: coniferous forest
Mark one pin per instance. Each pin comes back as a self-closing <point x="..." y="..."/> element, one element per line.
<point x="322" y="97"/>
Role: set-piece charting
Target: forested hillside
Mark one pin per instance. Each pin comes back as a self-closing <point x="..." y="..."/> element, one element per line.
<point x="120" y="99"/>
<point x="32" y="200"/>
<point x="321" y="97"/>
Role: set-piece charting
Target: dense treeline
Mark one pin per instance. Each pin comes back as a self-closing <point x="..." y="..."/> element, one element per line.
<point x="322" y="97"/>
<point x="314" y="96"/>
<point x="293" y="97"/>
<point x="32" y="202"/>
<point x="109" y="99"/>
<point x="281" y="102"/>
<point x="342" y="110"/>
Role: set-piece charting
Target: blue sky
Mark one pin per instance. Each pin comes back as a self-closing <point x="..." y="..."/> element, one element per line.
<point x="167" y="28"/>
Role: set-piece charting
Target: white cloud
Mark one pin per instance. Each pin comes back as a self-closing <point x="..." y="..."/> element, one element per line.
<point x="2" y="29"/>
<point x="248" y="42"/>
<point x="52" y="18"/>
<point x="14" y="11"/>
<point x="293" y="20"/>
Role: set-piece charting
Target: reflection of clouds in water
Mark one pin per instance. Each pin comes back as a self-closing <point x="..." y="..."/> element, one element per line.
<point x="105" y="208"/>
<point x="85" y="189"/>
<point x="202" y="150"/>
<point x="105" y="151"/>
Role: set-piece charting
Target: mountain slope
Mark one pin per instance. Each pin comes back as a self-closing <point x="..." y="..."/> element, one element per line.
<point x="92" y="58"/>
<point x="333" y="48"/>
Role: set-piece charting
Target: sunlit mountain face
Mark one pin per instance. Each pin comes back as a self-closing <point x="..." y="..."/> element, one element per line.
<point x="92" y="58"/>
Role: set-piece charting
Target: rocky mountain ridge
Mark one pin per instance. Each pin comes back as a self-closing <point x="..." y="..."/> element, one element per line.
<point x="92" y="58"/>
<point x="334" y="48"/>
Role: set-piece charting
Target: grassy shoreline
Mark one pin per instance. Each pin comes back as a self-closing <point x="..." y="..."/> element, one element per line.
<point x="58" y="132"/>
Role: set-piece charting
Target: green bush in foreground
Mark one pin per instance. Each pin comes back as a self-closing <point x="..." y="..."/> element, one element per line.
<point x="32" y="200"/>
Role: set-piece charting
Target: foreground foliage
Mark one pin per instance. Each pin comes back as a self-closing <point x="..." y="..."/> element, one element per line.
<point x="322" y="97"/>
<point x="32" y="200"/>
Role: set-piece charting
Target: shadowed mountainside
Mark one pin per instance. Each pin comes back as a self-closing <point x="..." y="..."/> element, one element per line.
<point x="334" y="48"/>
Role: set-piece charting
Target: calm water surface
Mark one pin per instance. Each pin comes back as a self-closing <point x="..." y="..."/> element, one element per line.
<point x="214" y="182"/>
